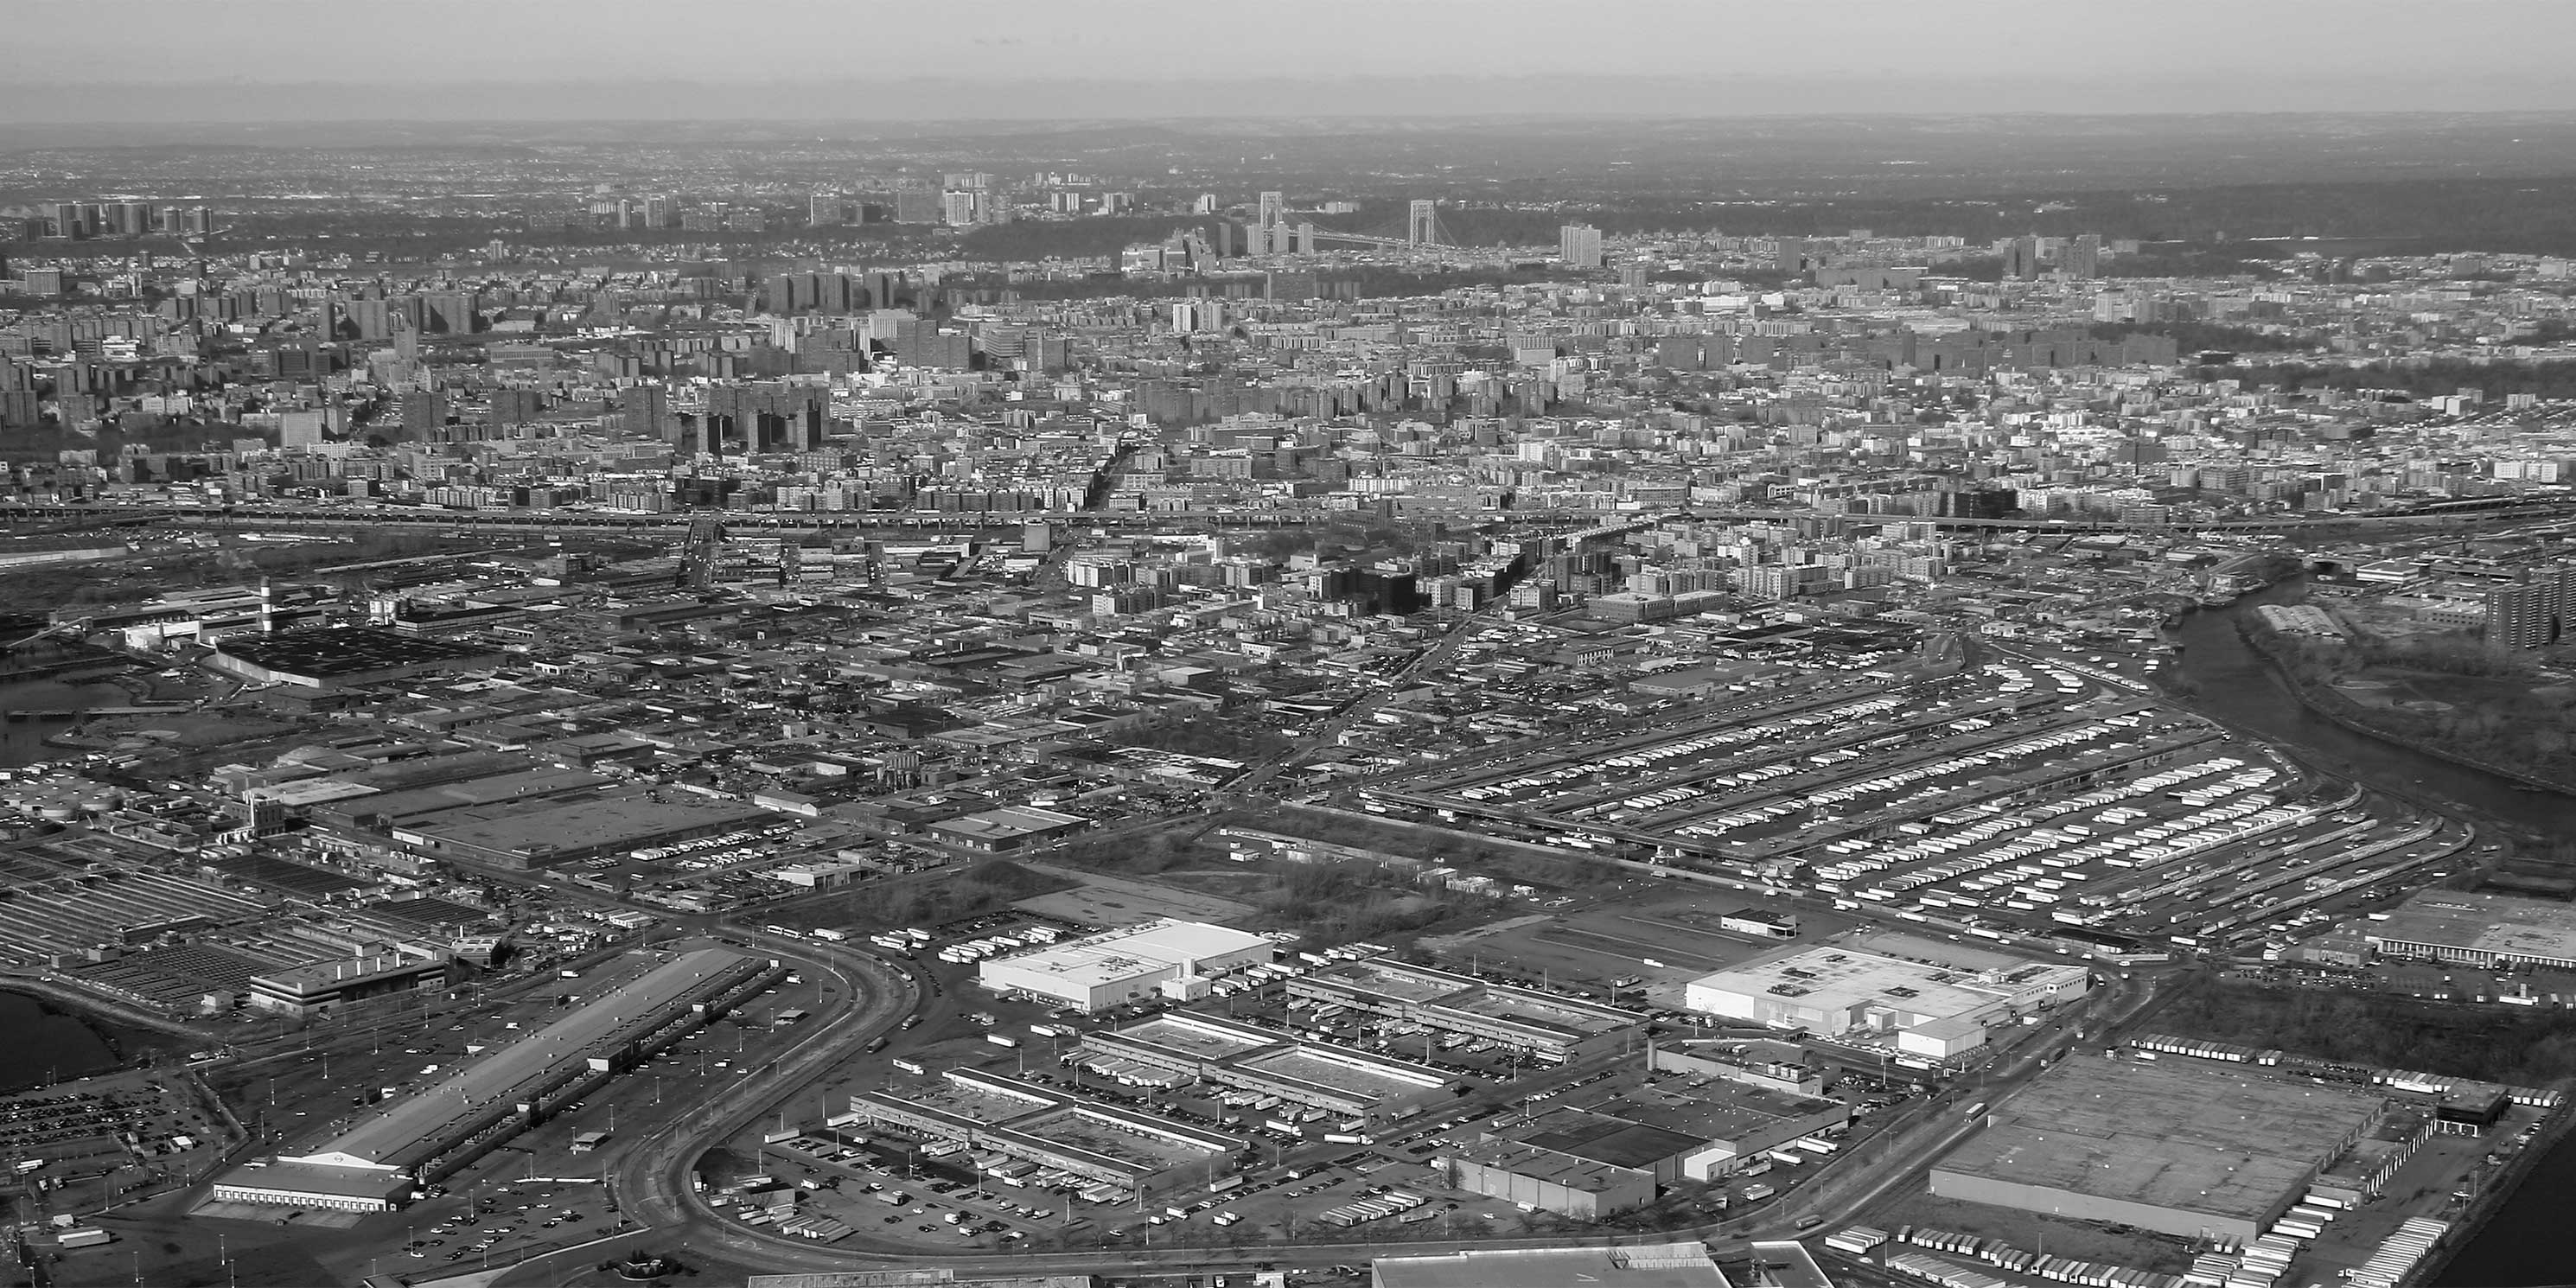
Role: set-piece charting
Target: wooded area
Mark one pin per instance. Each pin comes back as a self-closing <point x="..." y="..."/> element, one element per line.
<point x="2492" y="1044"/>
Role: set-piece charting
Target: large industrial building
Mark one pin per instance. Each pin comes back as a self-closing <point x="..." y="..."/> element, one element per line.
<point x="1546" y="1180"/>
<point x="1552" y="1028"/>
<point x="324" y="986"/>
<point x="339" y="657"/>
<point x="1320" y="1075"/>
<point x="430" y="1133"/>
<point x="2191" y="1151"/>
<point x="1662" y="1265"/>
<point x="1007" y="1120"/>
<point x="1593" y="1162"/>
<point x="2477" y="929"/>
<point x="1936" y="1000"/>
<point x="1115" y="967"/>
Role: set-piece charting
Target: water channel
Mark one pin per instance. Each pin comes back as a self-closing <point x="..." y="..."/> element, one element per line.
<point x="2523" y="1246"/>
<point x="2233" y="683"/>
<point x="34" y="710"/>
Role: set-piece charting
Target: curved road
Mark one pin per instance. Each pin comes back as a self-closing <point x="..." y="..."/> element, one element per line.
<point x="650" y="1179"/>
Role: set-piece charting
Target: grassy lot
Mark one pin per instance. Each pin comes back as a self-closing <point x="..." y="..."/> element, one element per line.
<point x="2489" y="1043"/>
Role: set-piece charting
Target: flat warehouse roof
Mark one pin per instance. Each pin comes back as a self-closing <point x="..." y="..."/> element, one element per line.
<point x="517" y="786"/>
<point x="2188" y="1139"/>
<point x="1191" y="1039"/>
<point x="1676" y="1265"/>
<point x="300" y="1179"/>
<point x="1585" y="1175"/>
<point x="1604" y="1140"/>
<point x="341" y="972"/>
<point x="1339" y="1075"/>
<point x="345" y="650"/>
<point x="1437" y="990"/>
<point x="1073" y="1125"/>
<point x="395" y="1134"/>
<point x="1836" y="978"/>
<point x="1723" y="1111"/>
<point x="1143" y="949"/>
<point x="2484" y="922"/>
<point x="1382" y="977"/>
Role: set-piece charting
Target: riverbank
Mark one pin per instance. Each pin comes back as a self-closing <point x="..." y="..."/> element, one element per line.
<point x="180" y="1033"/>
<point x="2217" y="676"/>
<point x="2332" y="707"/>
<point x="54" y="1039"/>
<point x="2482" y="1259"/>
<point x="2227" y="681"/>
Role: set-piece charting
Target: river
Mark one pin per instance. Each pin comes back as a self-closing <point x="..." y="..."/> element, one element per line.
<point x="2233" y="683"/>
<point x="48" y="1043"/>
<point x="52" y="706"/>
<point x="2524" y="1246"/>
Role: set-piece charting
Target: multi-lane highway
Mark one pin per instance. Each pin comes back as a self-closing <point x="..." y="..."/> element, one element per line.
<point x="557" y="522"/>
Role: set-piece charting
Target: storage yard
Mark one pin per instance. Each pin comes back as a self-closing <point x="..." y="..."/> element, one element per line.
<point x="2181" y="1162"/>
<point x="2190" y="1152"/>
<point x="418" y="1138"/>
<point x="1980" y="801"/>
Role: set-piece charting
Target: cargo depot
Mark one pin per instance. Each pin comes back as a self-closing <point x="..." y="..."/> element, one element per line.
<point x="2190" y="1151"/>
<point x="375" y="1165"/>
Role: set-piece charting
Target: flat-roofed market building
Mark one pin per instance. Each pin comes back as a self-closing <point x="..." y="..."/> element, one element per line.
<point x="2476" y="928"/>
<point x="2195" y="1151"/>
<point x="1099" y="971"/>
<point x="1320" y="1075"/>
<point x="1544" y="1024"/>
<point x="1012" y="1120"/>
<point x="416" y="1138"/>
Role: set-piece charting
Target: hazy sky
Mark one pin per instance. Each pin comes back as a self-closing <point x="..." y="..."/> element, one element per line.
<point x="856" y="59"/>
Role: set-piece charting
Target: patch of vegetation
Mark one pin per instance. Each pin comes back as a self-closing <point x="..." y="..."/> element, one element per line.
<point x="1206" y="735"/>
<point x="2193" y="337"/>
<point x="2491" y="1044"/>
<point x="2418" y="377"/>
<point x="1337" y="903"/>
<point x="1440" y="847"/>
<point x="1135" y="855"/>
<point x="984" y="887"/>
<point x="2495" y="711"/>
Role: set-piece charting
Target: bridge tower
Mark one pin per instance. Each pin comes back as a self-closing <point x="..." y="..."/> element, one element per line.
<point x="1422" y="223"/>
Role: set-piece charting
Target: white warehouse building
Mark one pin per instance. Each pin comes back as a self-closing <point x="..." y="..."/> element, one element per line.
<point x="1937" y="1000"/>
<point x="1114" y="967"/>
